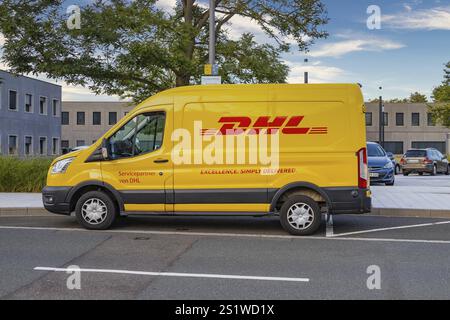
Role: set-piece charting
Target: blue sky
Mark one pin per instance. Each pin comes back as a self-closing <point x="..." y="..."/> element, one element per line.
<point x="406" y="54"/>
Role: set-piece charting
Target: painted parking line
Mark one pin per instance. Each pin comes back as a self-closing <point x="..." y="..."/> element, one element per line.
<point x="391" y="228"/>
<point x="231" y="235"/>
<point x="329" y="225"/>
<point x="173" y="274"/>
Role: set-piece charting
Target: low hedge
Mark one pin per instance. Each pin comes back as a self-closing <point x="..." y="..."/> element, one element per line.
<point x="23" y="175"/>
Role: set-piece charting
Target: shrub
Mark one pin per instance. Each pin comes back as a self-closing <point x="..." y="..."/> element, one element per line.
<point x="23" y="175"/>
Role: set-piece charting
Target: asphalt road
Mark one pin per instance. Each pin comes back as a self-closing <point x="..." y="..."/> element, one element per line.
<point x="225" y="258"/>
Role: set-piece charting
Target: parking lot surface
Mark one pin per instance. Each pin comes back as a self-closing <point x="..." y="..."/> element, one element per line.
<point x="225" y="258"/>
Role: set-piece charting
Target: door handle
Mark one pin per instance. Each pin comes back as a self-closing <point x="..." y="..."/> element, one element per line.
<point x="160" y="160"/>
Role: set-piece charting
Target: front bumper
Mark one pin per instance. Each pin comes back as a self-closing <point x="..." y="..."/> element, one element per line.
<point x="55" y="199"/>
<point x="382" y="175"/>
<point x="349" y="200"/>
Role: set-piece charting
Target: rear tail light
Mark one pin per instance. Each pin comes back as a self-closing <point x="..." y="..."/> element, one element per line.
<point x="402" y="161"/>
<point x="427" y="161"/>
<point x="363" y="176"/>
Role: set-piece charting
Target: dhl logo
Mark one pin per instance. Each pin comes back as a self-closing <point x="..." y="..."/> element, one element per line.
<point x="239" y="125"/>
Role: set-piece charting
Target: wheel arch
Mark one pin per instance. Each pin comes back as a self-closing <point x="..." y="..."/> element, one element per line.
<point x="77" y="191"/>
<point x="299" y="186"/>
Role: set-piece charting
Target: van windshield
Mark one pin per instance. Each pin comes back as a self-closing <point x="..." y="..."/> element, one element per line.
<point x="416" y="153"/>
<point x="374" y="150"/>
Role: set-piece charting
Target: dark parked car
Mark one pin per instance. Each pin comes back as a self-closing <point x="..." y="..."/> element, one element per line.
<point x="381" y="169"/>
<point x="397" y="167"/>
<point x="427" y="160"/>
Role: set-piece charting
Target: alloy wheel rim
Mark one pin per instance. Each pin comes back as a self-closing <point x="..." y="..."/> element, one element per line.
<point x="300" y="216"/>
<point x="94" y="211"/>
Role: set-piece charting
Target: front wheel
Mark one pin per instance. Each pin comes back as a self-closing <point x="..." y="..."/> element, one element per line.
<point x="447" y="172"/>
<point x="95" y="210"/>
<point x="434" y="172"/>
<point x="300" y="215"/>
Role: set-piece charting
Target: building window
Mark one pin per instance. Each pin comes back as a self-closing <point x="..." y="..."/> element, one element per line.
<point x="43" y="105"/>
<point x="80" y="118"/>
<point x="55" y="107"/>
<point x="385" y="119"/>
<point x="96" y="118"/>
<point x="64" y="118"/>
<point x="55" y="145"/>
<point x="368" y="118"/>
<point x="80" y="143"/>
<point x="396" y="147"/>
<point x="415" y="119"/>
<point x="399" y="119"/>
<point x="42" y="145"/>
<point x="28" y="103"/>
<point x="430" y="120"/>
<point x="12" y="145"/>
<point x="28" y="147"/>
<point x="112" y="118"/>
<point x="439" y="145"/>
<point x="64" y="146"/>
<point x="12" y="104"/>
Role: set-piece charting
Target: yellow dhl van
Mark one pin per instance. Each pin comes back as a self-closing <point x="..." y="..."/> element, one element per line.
<point x="295" y="151"/>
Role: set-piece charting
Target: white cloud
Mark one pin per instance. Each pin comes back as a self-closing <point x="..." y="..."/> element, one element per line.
<point x="317" y="73"/>
<point x="77" y="93"/>
<point x="437" y="18"/>
<point x="2" y="40"/>
<point x="166" y="5"/>
<point x="341" y="48"/>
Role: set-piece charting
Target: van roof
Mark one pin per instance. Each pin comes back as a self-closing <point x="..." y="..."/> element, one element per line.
<point x="317" y="91"/>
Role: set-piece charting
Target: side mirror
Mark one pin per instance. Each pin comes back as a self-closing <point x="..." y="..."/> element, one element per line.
<point x="105" y="152"/>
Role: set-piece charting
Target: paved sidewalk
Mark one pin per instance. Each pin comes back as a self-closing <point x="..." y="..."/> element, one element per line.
<point x="431" y="198"/>
<point x="20" y="200"/>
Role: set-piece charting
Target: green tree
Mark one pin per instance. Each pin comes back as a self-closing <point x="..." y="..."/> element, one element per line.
<point x="417" y="97"/>
<point x="133" y="49"/>
<point x="440" y="110"/>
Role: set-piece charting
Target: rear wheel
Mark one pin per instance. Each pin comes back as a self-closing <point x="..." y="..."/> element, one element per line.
<point x="420" y="173"/>
<point x="95" y="210"/>
<point x="405" y="173"/>
<point x="300" y="215"/>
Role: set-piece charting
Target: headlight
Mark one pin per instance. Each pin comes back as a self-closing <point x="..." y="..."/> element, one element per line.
<point x="62" y="165"/>
<point x="388" y="165"/>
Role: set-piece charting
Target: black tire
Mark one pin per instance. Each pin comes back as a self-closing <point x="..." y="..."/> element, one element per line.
<point x="447" y="172"/>
<point x="405" y="173"/>
<point x="433" y="173"/>
<point x="316" y="218"/>
<point x="104" y="221"/>
<point x="390" y="183"/>
<point x="420" y="173"/>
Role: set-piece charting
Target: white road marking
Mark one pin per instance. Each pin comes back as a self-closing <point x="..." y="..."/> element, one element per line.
<point x="329" y="227"/>
<point x="175" y="274"/>
<point x="231" y="235"/>
<point x="392" y="228"/>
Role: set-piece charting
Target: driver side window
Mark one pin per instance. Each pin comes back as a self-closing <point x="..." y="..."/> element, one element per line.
<point x="140" y="135"/>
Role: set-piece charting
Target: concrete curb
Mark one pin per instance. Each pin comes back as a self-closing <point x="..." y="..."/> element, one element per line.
<point x="24" y="212"/>
<point x="387" y="212"/>
<point x="422" y="213"/>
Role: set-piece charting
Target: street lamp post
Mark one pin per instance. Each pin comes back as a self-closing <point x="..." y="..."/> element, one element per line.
<point x="381" y="120"/>
<point x="212" y="32"/>
<point x="306" y="72"/>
